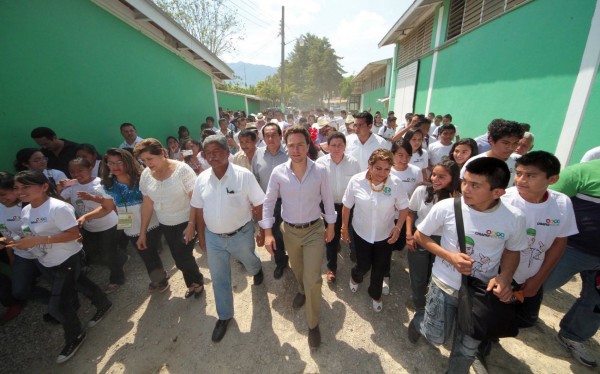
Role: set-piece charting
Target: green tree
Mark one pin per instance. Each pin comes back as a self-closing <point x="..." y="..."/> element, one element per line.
<point x="314" y="70"/>
<point x="346" y="87"/>
<point x="211" y="22"/>
<point x="269" y="89"/>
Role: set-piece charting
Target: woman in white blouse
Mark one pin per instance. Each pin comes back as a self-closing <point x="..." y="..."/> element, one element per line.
<point x="167" y="187"/>
<point x="375" y="196"/>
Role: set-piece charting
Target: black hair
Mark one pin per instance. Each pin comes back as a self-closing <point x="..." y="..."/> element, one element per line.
<point x="401" y="143"/>
<point x="88" y="148"/>
<point x="125" y="125"/>
<point x="336" y="135"/>
<point x="249" y="134"/>
<point x="43" y="132"/>
<point x="545" y="161"/>
<point x="449" y="116"/>
<point x="391" y="119"/>
<point x="495" y="171"/>
<point x="526" y="127"/>
<point x="501" y="128"/>
<point x="206" y="133"/>
<point x="464" y="141"/>
<point x="366" y="115"/>
<point x="23" y="156"/>
<point x="181" y="130"/>
<point x="451" y="189"/>
<point x="130" y="164"/>
<point x="37" y="178"/>
<point x="410" y="134"/>
<point x="210" y="118"/>
<point x="422" y="120"/>
<point x="271" y="124"/>
<point x="7" y="181"/>
<point x="447" y="127"/>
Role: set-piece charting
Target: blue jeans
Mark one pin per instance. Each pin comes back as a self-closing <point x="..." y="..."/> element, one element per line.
<point x="581" y="322"/>
<point x="24" y="275"/>
<point x="219" y="249"/>
<point x="435" y="324"/>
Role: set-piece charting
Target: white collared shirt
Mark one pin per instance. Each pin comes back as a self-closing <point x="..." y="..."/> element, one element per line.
<point x="339" y="174"/>
<point x="300" y="200"/>
<point x="227" y="202"/>
<point x="126" y="145"/>
<point x="361" y="151"/>
<point x="374" y="212"/>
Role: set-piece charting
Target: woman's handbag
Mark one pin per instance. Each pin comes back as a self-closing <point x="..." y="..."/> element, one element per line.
<point x="481" y="314"/>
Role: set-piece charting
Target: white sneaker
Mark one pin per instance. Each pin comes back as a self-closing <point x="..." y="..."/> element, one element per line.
<point x="578" y="351"/>
<point x="386" y="286"/>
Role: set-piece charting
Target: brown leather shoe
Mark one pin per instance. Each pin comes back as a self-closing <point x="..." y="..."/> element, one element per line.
<point x="331" y="276"/>
<point x="299" y="300"/>
<point x="314" y="337"/>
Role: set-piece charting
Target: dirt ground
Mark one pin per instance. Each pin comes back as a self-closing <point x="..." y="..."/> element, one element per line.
<point x="165" y="333"/>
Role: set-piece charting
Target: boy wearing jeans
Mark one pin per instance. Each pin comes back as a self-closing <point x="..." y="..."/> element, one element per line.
<point x="498" y="234"/>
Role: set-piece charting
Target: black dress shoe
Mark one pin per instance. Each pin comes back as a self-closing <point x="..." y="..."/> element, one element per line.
<point x="258" y="278"/>
<point x="314" y="338"/>
<point x="278" y="273"/>
<point x="299" y="300"/>
<point x="220" y="330"/>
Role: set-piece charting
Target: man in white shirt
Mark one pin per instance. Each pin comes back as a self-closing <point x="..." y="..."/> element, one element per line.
<point x="302" y="185"/>
<point x="340" y="168"/>
<point x="225" y="198"/>
<point x="525" y="145"/>
<point x="497" y="236"/>
<point x="361" y="144"/>
<point x="592" y="154"/>
<point x="130" y="136"/>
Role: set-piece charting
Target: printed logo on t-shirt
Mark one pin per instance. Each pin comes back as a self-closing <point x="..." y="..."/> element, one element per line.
<point x="549" y="222"/>
<point x="13" y="219"/>
<point x="409" y="180"/>
<point x="387" y="191"/>
<point x="532" y="252"/>
<point x="39" y="220"/>
<point x="491" y="234"/>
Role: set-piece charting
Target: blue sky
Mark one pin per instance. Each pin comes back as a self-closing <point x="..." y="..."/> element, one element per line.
<point x="354" y="28"/>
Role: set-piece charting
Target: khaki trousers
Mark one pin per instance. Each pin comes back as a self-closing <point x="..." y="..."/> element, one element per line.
<point x="306" y="249"/>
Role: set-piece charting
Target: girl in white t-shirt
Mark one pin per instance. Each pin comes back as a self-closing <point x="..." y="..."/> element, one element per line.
<point x="34" y="159"/>
<point x="89" y="152"/>
<point x="419" y="157"/>
<point x="443" y="183"/>
<point x="49" y="227"/>
<point x="100" y="235"/>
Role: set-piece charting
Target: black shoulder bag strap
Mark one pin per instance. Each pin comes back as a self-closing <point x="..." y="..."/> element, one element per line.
<point x="460" y="230"/>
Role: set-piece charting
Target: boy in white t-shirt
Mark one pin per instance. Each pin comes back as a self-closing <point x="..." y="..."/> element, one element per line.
<point x="496" y="235"/>
<point x="439" y="150"/>
<point x="504" y="138"/>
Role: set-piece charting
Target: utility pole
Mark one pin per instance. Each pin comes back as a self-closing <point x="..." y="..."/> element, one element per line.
<point x="282" y="58"/>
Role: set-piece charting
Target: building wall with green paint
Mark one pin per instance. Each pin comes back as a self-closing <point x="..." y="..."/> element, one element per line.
<point x="72" y="66"/>
<point x="589" y="134"/>
<point x="253" y="106"/>
<point x="229" y="101"/>
<point x="370" y="101"/>
<point x="519" y="66"/>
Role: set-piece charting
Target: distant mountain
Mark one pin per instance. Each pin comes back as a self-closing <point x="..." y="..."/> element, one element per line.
<point x="250" y="74"/>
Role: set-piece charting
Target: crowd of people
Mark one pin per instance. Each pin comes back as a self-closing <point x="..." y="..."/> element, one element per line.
<point x="299" y="185"/>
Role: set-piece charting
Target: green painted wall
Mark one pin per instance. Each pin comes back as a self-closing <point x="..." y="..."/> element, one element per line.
<point x="589" y="137"/>
<point x="253" y="106"/>
<point x="370" y="101"/>
<point x="229" y="101"/>
<point x="423" y="78"/>
<point x="72" y="66"/>
<point x="519" y="66"/>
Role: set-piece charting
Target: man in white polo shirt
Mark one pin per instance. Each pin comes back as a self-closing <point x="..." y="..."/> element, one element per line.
<point x="361" y="144"/>
<point x="130" y="136"/>
<point x="225" y="198"/>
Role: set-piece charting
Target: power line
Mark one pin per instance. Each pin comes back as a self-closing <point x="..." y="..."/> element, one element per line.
<point x="243" y="16"/>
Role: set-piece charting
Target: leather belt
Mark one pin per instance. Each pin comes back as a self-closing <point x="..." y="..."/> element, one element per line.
<point x="230" y="234"/>
<point x="302" y="225"/>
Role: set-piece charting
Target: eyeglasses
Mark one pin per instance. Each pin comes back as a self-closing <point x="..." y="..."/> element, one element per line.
<point x="114" y="163"/>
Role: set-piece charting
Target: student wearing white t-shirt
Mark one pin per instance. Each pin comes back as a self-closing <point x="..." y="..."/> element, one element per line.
<point x="376" y="196"/>
<point x="504" y="138"/>
<point x="89" y="152"/>
<point x="441" y="149"/>
<point x="34" y="159"/>
<point x="120" y="191"/>
<point x="420" y="157"/>
<point x="50" y="231"/>
<point x="100" y="235"/>
<point x="167" y="186"/>
<point x="494" y="235"/>
<point x="411" y="177"/>
<point x="443" y="183"/>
